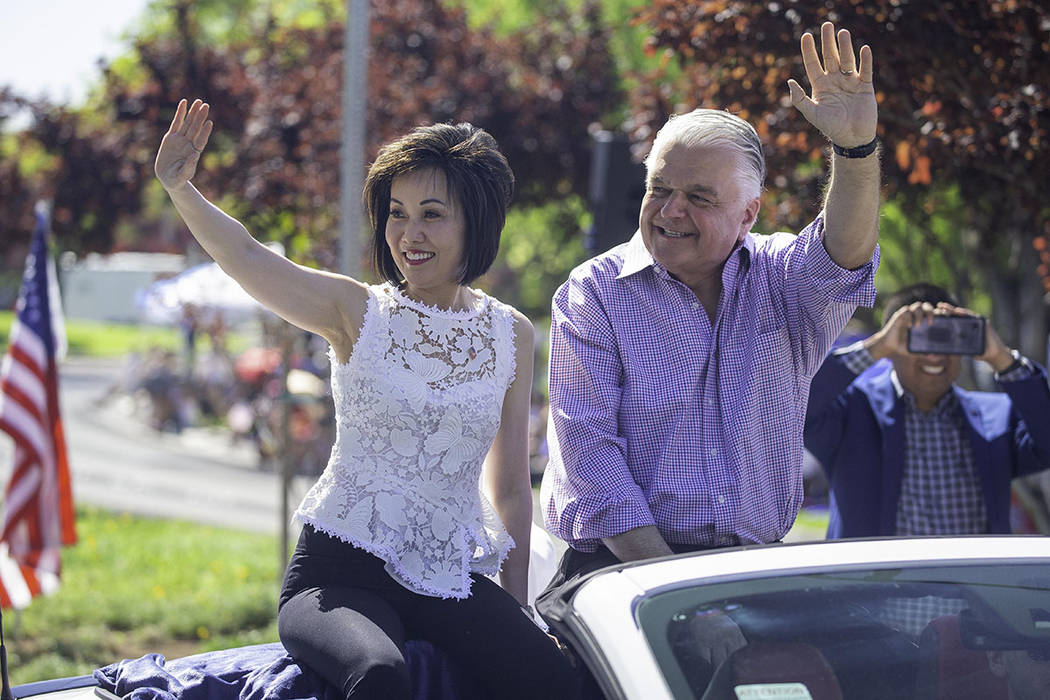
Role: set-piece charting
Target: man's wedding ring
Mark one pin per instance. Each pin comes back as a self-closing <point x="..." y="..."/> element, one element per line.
<point x="846" y="71"/>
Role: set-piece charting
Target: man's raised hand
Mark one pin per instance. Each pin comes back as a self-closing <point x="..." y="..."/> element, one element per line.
<point x="842" y="105"/>
<point x="181" y="147"/>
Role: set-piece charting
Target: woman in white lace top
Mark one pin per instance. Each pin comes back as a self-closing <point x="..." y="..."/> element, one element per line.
<point x="431" y="382"/>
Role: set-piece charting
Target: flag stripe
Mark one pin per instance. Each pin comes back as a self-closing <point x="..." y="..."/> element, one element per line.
<point x="63" y="482"/>
<point x="31" y="579"/>
<point x="27" y="432"/>
<point x="27" y="346"/>
<point x="15" y="591"/>
<point x="20" y="497"/>
<point x="12" y="392"/>
<point x="20" y="373"/>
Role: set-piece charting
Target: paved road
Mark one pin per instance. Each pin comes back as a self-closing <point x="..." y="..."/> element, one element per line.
<point x="119" y="463"/>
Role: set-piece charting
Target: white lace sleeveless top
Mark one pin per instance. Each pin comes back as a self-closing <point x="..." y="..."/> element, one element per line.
<point x="417" y="407"/>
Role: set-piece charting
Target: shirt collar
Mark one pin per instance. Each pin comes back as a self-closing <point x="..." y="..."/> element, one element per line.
<point x="944" y="406"/>
<point x="636" y="256"/>
<point x="898" y="388"/>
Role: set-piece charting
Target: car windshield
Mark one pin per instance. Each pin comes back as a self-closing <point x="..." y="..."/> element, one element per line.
<point x="935" y="632"/>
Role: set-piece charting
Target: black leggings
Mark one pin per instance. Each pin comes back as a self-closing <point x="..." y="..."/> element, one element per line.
<point x="342" y="615"/>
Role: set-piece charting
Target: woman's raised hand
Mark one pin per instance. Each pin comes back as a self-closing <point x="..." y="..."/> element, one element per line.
<point x="181" y="147"/>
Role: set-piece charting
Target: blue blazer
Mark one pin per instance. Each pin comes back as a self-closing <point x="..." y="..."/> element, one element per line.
<point x="855" y="427"/>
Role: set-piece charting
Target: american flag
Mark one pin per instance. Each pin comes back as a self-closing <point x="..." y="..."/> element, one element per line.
<point x="38" y="505"/>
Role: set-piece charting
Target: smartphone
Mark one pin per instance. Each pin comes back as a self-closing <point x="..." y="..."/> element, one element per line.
<point x="948" y="335"/>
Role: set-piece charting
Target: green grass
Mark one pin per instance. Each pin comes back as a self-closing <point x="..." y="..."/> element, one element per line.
<point x="101" y="339"/>
<point x="133" y="586"/>
<point x="98" y="339"/>
<point x="810" y="525"/>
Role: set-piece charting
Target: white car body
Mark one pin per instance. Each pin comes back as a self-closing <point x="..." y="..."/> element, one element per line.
<point x="604" y="619"/>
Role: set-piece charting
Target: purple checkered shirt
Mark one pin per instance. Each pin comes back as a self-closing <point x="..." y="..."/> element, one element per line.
<point x="658" y="418"/>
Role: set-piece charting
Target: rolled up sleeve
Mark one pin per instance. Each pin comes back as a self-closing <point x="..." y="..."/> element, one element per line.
<point x="837" y="284"/>
<point x="588" y="491"/>
<point x="819" y="296"/>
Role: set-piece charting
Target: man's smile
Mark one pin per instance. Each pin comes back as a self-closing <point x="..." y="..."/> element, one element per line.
<point x="672" y="234"/>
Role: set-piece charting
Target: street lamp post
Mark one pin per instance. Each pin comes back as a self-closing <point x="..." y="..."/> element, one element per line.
<point x="351" y="180"/>
<point x="352" y="155"/>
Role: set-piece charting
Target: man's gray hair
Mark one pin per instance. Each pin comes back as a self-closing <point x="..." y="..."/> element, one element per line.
<point x="713" y="127"/>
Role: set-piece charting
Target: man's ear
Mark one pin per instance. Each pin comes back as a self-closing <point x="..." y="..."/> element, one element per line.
<point x="750" y="216"/>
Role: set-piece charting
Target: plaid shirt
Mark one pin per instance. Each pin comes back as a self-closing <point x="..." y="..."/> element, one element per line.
<point x="941" y="492"/>
<point x="660" y="418"/>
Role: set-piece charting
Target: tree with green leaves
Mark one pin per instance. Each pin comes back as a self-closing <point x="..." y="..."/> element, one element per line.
<point x="276" y="91"/>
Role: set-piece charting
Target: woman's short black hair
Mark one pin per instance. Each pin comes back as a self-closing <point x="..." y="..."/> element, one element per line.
<point x="478" y="177"/>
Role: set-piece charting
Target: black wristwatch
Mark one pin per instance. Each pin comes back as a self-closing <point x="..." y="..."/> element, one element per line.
<point x="857" y="151"/>
<point x="1018" y="363"/>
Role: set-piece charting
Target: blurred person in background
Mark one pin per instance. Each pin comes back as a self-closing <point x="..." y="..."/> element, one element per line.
<point x="906" y="450"/>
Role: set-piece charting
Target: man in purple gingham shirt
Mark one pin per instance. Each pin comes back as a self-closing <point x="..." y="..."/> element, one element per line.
<point x="681" y="360"/>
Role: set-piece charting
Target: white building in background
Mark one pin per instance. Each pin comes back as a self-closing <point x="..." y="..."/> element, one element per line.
<point x="104" y="287"/>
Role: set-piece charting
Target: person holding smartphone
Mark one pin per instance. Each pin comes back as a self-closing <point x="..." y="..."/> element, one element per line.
<point x="907" y="451"/>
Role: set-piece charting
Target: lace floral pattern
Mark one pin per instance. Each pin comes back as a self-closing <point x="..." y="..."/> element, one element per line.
<point x="418" y="404"/>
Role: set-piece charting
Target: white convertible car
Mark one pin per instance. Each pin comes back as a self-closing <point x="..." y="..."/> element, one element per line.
<point x="928" y="619"/>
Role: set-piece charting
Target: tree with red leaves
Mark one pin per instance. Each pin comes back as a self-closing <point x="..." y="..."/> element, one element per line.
<point x="964" y="119"/>
<point x="277" y="94"/>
